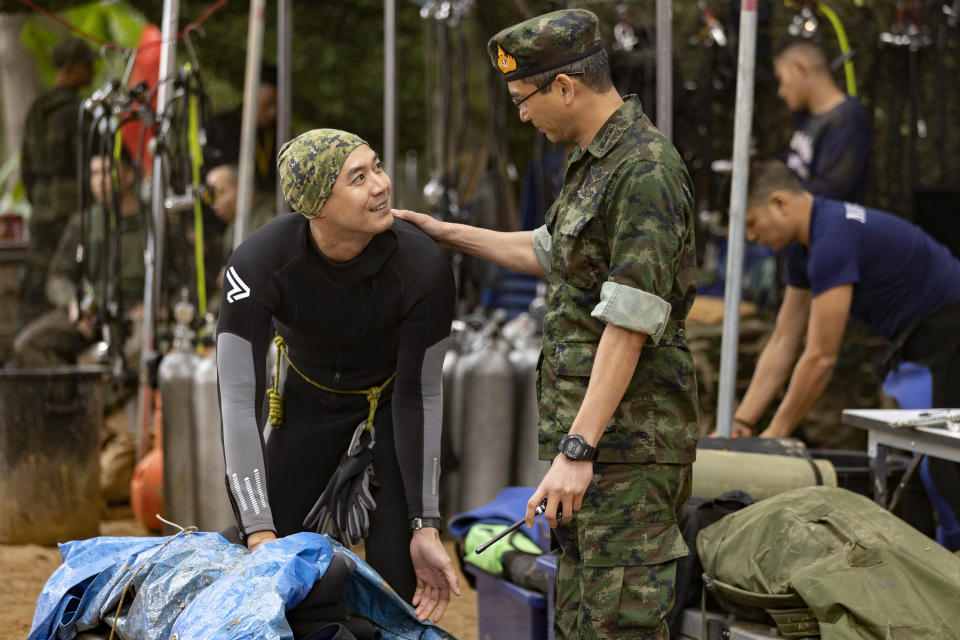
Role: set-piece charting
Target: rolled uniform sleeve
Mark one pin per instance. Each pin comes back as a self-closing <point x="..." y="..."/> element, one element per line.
<point x="633" y="309"/>
<point x="543" y="247"/>
<point x="646" y="232"/>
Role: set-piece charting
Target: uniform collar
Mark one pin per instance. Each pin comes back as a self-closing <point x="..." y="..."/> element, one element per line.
<point x="613" y="129"/>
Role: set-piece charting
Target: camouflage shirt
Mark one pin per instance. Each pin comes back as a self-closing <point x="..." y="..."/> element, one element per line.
<point x="65" y="274"/>
<point x="49" y="166"/>
<point x="618" y="247"/>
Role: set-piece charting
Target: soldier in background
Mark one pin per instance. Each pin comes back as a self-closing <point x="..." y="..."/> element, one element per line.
<point x="60" y="335"/>
<point x="49" y="169"/>
<point x="616" y="386"/>
<point x="225" y="128"/>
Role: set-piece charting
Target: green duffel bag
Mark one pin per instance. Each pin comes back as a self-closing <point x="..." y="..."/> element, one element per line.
<point x="860" y="570"/>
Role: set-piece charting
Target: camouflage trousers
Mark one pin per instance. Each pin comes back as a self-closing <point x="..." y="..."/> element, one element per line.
<point x="617" y="563"/>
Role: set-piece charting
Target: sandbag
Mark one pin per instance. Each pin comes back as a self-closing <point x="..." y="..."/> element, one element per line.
<point x="863" y="572"/>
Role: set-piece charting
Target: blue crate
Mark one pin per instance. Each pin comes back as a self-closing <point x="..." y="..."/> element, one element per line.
<point x="548" y="564"/>
<point x="506" y="611"/>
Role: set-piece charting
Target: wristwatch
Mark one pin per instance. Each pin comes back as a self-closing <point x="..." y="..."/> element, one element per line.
<point x="420" y="523"/>
<point x="576" y="448"/>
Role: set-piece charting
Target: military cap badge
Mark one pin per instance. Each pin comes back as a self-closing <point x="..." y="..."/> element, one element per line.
<point x="505" y="62"/>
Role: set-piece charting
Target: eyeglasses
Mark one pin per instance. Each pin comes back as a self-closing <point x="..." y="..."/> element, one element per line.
<point x="517" y="103"/>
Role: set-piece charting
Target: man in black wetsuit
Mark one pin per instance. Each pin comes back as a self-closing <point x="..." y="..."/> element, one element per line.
<point x="358" y="302"/>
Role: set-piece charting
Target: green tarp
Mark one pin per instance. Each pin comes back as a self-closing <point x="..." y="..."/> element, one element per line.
<point x="862" y="571"/>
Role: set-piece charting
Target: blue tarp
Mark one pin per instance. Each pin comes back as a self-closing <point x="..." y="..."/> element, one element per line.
<point x="198" y="586"/>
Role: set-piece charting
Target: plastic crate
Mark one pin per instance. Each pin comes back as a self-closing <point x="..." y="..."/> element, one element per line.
<point x="506" y="611"/>
<point x="548" y="564"/>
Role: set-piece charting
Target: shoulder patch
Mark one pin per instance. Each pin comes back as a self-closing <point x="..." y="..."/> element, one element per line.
<point x="238" y="288"/>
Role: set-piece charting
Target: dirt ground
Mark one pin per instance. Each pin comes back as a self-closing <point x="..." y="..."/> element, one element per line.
<point x="25" y="568"/>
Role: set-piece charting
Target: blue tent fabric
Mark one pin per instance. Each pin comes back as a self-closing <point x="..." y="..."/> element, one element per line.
<point x="509" y="506"/>
<point x="197" y="586"/>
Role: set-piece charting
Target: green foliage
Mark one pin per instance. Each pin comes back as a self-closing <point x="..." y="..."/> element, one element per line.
<point x="115" y="22"/>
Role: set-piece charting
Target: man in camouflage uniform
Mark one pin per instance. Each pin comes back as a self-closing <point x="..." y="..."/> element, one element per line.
<point x="616" y="384"/>
<point x="49" y="168"/>
<point x="59" y="336"/>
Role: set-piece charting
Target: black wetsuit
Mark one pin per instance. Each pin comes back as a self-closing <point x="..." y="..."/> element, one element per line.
<point x="347" y="326"/>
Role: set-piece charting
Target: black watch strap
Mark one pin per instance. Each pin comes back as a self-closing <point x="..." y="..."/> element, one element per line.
<point x="575" y="447"/>
<point x="420" y="523"/>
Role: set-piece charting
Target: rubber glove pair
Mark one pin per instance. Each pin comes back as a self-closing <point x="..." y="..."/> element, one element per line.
<point x="343" y="509"/>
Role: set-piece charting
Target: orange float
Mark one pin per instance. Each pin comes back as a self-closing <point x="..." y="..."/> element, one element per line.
<point x="146" y="485"/>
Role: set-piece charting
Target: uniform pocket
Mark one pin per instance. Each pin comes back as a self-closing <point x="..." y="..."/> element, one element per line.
<point x="629" y="577"/>
<point x="581" y="255"/>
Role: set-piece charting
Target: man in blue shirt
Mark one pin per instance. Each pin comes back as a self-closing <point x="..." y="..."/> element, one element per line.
<point x="844" y="259"/>
<point x="832" y="140"/>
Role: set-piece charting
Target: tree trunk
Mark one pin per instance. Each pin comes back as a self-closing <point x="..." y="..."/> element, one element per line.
<point x="19" y="83"/>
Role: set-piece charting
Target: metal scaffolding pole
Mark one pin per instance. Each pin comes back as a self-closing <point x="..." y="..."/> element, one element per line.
<point x="665" y="67"/>
<point x="389" y="86"/>
<point x="248" y="131"/>
<point x="153" y="251"/>
<point x="284" y="91"/>
<point x="743" y="119"/>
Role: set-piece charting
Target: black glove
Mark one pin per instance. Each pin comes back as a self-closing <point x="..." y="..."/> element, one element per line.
<point x="343" y="509"/>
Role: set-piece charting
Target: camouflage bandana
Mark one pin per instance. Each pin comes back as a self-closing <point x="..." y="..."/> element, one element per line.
<point x="544" y="43"/>
<point x="309" y="165"/>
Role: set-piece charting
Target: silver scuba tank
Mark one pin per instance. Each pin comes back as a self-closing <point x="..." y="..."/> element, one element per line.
<point x="464" y="334"/>
<point x="450" y="461"/>
<point x="527" y="343"/>
<point x="214" y="512"/>
<point x="488" y="418"/>
<point x="175" y="376"/>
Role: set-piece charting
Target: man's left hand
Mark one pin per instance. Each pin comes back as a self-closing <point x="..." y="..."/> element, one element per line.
<point x="565" y="483"/>
<point x="436" y="577"/>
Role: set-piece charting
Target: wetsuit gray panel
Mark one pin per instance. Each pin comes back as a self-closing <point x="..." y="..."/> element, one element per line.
<point x="430" y="384"/>
<point x="243" y="452"/>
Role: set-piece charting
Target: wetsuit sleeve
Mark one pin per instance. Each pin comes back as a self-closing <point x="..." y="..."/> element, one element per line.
<point x="417" y="409"/>
<point x="243" y="333"/>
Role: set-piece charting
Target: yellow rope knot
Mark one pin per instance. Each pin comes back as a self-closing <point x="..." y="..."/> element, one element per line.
<point x="276" y="398"/>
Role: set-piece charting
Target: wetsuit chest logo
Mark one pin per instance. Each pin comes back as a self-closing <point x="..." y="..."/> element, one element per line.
<point x="238" y="288"/>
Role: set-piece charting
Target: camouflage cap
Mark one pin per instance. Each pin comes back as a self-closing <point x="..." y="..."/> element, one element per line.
<point x="309" y="165"/>
<point x="544" y="43"/>
<point x="70" y="51"/>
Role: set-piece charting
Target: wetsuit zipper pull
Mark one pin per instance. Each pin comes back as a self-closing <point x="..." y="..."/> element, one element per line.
<point x="376" y="284"/>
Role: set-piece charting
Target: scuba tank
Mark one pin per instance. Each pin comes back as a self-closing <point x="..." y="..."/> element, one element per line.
<point x="488" y="417"/>
<point x="175" y="376"/>
<point x="527" y="344"/>
<point x="450" y="459"/>
<point x="214" y="512"/>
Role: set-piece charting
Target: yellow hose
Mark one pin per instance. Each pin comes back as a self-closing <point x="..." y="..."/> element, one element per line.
<point x="831" y="15"/>
<point x="196" y="160"/>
